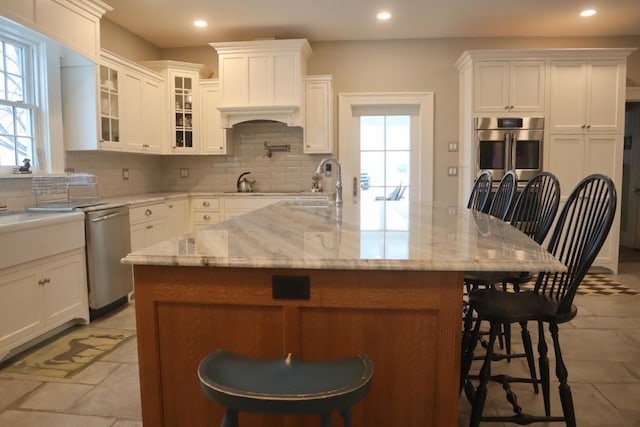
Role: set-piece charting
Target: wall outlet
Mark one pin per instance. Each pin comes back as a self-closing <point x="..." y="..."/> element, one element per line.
<point x="125" y="173"/>
<point x="452" y="171"/>
<point x="184" y="173"/>
<point x="453" y="146"/>
<point x="327" y="169"/>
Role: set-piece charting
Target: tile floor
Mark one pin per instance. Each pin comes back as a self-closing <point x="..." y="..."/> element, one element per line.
<point x="601" y="348"/>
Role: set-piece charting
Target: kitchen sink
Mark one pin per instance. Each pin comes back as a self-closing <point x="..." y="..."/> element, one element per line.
<point x="26" y="236"/>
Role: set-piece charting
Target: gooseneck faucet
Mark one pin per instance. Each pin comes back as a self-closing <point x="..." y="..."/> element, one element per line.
<point x="319" y="171"/>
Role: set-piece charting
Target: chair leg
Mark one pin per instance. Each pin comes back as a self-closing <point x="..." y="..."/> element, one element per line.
<point x="506" y="330"/>
<point x="346" y="416"/>
<point x="480" y="394"/>
<point x="325" y="420"/>
<point x="528" y="351"/>
<point x="230" y="418"/>
<point x="543" y="363"/>
<point x="561" y="372"/>
<point x="469" y="342"/>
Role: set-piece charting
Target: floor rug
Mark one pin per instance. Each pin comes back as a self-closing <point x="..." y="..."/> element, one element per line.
<point x="65" y="355"/>
<point x="598" y="284"/>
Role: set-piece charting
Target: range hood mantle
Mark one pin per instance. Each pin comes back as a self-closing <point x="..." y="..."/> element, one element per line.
<point x="262" y="80"/>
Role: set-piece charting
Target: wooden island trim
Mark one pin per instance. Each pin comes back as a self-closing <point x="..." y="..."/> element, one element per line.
<point x="408" y="322"/>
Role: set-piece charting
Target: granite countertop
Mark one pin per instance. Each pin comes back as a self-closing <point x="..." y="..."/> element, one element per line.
<point x="314" y="235"/>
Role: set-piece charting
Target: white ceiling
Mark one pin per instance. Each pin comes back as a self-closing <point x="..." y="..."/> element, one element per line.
<point x="168" y="23"/>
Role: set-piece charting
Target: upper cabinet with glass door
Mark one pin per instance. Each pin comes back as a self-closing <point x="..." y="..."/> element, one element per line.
<point x="184" y="104"/>
<point x="109" y="110"/>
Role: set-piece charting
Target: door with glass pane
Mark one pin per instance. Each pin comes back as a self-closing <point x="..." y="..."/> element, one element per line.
<point x="385" y="171"/>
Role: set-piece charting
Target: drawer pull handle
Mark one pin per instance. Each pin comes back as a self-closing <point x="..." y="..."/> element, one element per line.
<point x="205" y="204"/>
<point x="206" y="217"/>
<point x="148" y="212"/>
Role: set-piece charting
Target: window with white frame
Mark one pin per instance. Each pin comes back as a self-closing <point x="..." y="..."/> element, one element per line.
<point x="17" y="103"/>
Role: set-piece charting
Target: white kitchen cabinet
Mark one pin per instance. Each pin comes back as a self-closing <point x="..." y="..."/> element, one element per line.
<point x="75" y="24"/>
<point x="116" y="105"/>
<point x="184" y="104"/>
<point x="589" y="153"/>
<point x="41" y="295"/>
<point x="214" y="136"/>
<point x="177" y="217"/>
<point x="318" y="115"/>
<point x="586" y="96"/>
<point x="109" y="105"/>
<point x="508" y="86"/>
<point x="205" y="211"/>
<point x="148" y="225"/>
<point x="142" y="113"/>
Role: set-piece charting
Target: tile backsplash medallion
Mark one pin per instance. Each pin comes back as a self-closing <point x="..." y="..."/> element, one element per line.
<point x="148" y="173"/>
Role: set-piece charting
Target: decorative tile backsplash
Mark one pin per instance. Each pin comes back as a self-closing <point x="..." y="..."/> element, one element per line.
<point x="282" y="172"/>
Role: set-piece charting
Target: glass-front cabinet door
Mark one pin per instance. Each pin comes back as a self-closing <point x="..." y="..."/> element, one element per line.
<point x="109" y="111"/>
<point x="183" y="111"/>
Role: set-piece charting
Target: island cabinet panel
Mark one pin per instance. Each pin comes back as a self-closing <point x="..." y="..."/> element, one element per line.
<point x="408" y="322"/>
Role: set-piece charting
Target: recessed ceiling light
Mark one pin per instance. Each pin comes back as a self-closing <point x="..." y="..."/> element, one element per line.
<point x="200" y="23"/>
<point x="383" y="16"/>
<point x="588" y="12"/>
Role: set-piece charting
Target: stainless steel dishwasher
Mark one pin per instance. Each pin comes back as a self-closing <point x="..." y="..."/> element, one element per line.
<point x="107" y="242"/>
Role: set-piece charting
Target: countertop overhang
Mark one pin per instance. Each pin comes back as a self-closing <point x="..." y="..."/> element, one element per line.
<point x="303" y="235"/>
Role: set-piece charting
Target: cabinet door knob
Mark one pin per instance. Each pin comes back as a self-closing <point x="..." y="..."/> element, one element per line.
<point x="205" y="204"/>
<point x="148" y="212"/>
<point x="584" y="126"/>
<point x="206" y="217"/>
<point x="588" y="126"/>
<point x="149" y="227"/>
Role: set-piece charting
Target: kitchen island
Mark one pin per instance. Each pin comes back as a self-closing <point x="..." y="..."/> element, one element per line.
<point x="317" y="281"/>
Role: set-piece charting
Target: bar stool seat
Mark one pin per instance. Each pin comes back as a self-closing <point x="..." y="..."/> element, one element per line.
<point x="284" y="386"/>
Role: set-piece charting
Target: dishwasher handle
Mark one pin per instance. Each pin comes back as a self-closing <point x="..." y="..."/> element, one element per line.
<point x="109" y="216"/>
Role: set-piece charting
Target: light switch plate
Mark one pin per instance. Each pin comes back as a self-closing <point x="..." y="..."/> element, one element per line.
<point x="452" y="171"/>
<point x="184" y="173"/>
<point x="125" y="174"/>
<point x="453" y="146"/>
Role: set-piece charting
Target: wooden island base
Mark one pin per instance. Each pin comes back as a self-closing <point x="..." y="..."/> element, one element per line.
<point x="407" y="322"/>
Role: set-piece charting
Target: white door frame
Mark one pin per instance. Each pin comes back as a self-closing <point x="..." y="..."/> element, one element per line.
<point x="349" y="144"/>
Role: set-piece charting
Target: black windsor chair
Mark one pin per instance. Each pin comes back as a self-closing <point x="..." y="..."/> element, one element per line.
<point x="480" y="192"/>
<point x="285" y="386"/>
<point x="501" y="201"/>
<point x="581" y="229"/>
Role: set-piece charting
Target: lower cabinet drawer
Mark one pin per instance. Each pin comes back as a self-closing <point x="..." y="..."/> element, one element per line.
<point x="204" y="219"/>
<point x="147" y="213"/>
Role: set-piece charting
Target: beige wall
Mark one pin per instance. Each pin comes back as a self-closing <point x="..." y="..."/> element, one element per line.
<point x="413" y="65"/>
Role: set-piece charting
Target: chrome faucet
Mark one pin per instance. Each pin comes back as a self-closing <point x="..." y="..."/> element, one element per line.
<point x="319" y="171"/>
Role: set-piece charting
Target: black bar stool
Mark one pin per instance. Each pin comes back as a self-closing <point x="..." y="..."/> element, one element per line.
<point x="285" y="386"/>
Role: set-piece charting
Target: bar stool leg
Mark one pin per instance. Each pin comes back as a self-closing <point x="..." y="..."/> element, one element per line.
<point x="480" y="394"/>
<point x="528" y="351"/>
<point x="561" y="372"/>
<point x="230" y="418"/>
<point x="325" y="419"/>
<point x="346" y="416"/>
<point x="543" y="363"/>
